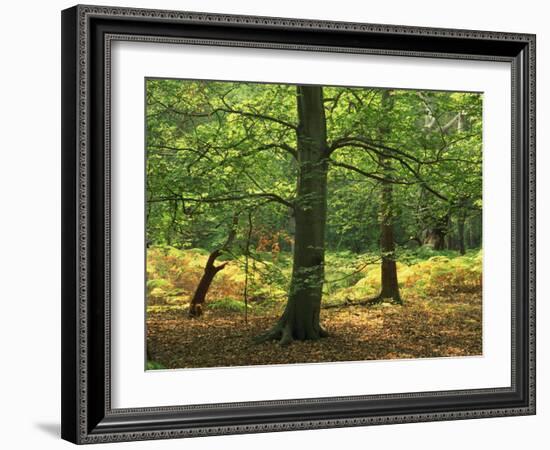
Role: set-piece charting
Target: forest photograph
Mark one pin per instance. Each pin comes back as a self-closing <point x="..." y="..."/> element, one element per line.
<point x="310" y="224"/>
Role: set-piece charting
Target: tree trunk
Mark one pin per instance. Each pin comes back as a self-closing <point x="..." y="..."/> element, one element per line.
<point x="435" y="235"/>
<point x="292" y="230"/>
<point x="449" y="237"/>
<point x="474" y="231"/>
<point x="478" y="230"/>
<point x="461" y="244"/>
<point x="210" y="271"/>
<point x="435" y="238"/>
<point x="470" y="234"/>
<point x="389" y="284"/>
<point x="300" y="319"/>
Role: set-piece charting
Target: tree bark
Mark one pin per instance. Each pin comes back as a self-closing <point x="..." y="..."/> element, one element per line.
<point x="210" y="271"/>
<point x="470" y="232"/>
<point x="435" y="238"/>
<point x="388" y="282"/>
<point x="435" y="235"/>
<point x="461" y="243"/>
<point x="300" y="319"/>
<point x="292" y="230"/>
<point x="450" y="243"/>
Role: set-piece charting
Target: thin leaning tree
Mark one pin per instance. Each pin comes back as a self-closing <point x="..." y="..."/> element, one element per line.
<point x="211" y="270"/>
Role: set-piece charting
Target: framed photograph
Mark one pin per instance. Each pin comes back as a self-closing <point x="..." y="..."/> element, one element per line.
<point x="280" y="224"/>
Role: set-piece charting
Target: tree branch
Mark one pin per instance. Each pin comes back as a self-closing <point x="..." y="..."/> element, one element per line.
<point x="368" y="174"/>
<point x="289" y="149"/>
<point x="359" y="143"/>
<point x="230" y="110"/>
<point x="269" y="195"/>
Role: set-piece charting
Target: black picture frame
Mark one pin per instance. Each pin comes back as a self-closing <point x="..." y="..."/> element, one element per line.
<point x="87" y="416"/>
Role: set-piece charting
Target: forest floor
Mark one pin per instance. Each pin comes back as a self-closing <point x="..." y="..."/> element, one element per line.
<point x="439" y="326"/>
<point x="441" y="315"/>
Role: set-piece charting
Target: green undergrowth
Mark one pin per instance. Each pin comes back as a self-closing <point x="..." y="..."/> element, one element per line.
<point x="153" y="365"/>
<point x="173" y="274"/>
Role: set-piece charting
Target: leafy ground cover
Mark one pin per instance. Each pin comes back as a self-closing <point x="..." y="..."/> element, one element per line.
<point x="441" y="315"/>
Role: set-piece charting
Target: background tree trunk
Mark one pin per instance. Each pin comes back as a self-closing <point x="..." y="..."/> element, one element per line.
<point x="300" y="319"/>
<point x="450" y="241"/>
<point x="435" y="235"/>
<point x="470" y="233"/>
<point x="435" y="238"/>
<point x="461" y="243"/>
<point x="389" y="284"/>
<point x="210" y="271"/>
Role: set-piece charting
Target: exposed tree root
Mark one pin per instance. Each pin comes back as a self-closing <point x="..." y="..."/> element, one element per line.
<point x="271" y="335"/>
<point x="367" y="302"/>
<point x="283" y="333"/>
<point x="286" y="337"/>
<point x="195" y="311"/>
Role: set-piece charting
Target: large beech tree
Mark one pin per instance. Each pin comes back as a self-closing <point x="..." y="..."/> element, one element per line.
<point x="300" y="319"/>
